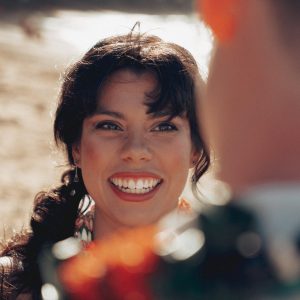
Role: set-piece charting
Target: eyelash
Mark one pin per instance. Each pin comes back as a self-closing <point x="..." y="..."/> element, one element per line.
<point x="165" y="127"/>
<point x="106" y="125"/>
<point x="111" y="126"/>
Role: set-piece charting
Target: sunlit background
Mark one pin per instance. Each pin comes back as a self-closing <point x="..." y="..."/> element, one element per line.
<point x="38" y="39"/>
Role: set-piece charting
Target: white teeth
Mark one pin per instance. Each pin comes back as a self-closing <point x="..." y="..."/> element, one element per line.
<point x="151" y="181"/>
<point x="118" y="182"/>
<point x="135" y="186"/>
<point x="131" y="184"/>
<point x="125" y="183"/>
<point x="139" y="184"/>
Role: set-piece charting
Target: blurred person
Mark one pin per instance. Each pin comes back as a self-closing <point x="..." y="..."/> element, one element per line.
<point x="249" y="247"/>
<point x="126" y="119"/>
<point x="251" y="118"/>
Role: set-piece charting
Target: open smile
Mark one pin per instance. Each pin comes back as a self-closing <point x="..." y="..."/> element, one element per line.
<point x="135" y="186"/>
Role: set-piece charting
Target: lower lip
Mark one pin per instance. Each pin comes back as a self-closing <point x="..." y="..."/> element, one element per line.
<point x="135" y="197"/>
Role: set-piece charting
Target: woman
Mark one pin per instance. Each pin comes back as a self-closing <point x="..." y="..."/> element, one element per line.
<point x="126" y="119"/>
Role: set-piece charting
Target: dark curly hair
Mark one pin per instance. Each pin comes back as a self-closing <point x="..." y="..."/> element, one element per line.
<point x="174" y="67"/>
<point x="55" y="212"/>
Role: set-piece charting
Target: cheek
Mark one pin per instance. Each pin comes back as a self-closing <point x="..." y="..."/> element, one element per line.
<point x="93" y="164"/>
<point x="177" y="156"/>
<point x="90" y="151"/>
<point x="93" y="157"/>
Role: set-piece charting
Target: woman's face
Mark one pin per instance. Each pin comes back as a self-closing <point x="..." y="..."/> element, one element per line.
<point x="134" y="165"/>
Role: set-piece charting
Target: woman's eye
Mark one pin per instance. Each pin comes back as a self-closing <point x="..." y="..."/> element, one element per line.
<point x="108" y="126"/>
<point x="165" y="126"/>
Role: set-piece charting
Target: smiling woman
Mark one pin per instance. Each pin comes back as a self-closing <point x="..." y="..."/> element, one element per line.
<point x="126" y="119"/>
<point x="125" y="154"/>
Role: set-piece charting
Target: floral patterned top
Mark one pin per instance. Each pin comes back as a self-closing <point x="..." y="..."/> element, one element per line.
<point x="85" y="221"/>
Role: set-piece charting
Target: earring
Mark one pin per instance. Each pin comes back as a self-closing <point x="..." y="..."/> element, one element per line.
<point x="76" y="178"/>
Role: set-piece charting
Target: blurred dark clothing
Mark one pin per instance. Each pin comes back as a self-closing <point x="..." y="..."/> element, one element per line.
<point x="246" y="254"/>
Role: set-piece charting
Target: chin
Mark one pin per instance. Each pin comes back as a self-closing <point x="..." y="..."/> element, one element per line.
<point x="139" y="222"/>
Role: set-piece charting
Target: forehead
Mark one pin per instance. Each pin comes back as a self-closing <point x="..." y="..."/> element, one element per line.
<point x="126" y="77"/>
<point x="126" y="84"/>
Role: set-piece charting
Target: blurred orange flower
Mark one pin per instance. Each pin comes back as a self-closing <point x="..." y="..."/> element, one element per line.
<point x="115" y="268"/>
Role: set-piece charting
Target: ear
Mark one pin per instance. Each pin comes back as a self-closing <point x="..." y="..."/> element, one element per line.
<point x="76" y="153"/>
<point x="221" y="16"/>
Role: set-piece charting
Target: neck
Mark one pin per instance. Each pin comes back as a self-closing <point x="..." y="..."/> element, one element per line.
<point x="105" y="226"/>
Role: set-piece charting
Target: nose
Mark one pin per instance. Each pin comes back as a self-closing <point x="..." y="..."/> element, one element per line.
<point x="136" y="148"/>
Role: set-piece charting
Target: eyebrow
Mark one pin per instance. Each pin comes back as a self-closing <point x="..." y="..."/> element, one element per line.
<point x="158" y="114"/>
<point x="161" y="114"/>
<point x="119" y="115"/>
<point x="114" y="114"/>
